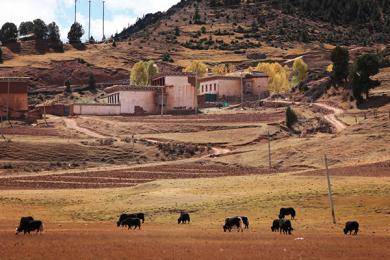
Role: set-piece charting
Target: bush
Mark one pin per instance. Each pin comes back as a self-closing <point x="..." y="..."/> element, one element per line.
<point x="291" y="117"/>
<point x="167" y="58"/>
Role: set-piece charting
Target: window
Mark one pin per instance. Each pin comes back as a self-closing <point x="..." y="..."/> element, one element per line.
<point x="202" y="88"/>
<point x="207" y="88"/>
<point x="215" y="86"/>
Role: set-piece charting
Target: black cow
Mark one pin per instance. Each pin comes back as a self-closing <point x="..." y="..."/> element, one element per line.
<point x="184" y="218"/>
<point x="233" y="222"/>
<point x="32" y="225"/>
<point x="133" y="215"/>
<point x="275" y="225"/>
<point x="132" y="222"/>
<point x="285" y="226"/>
<point x="351" y="226"/>
<point x="287" y="211"/>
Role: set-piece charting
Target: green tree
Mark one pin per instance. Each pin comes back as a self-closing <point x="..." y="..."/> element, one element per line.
<point x="177" y="31"/>
<point x="40" y="29"/>
<point x="8" y="33"/>
<point x="68" y="88"/>
<point x="53" y="32"/>
<point x="340" y="59"/>
<point x="26" y="28"/>
<point x="197" y="18"/>
<point x="1" y="56"/>
<point x="291" y="117"/>
<point x="167" y="58"/>
<point x="75" y="33"/>
<point x="299" y="72"/>
<point x="365" y="66"/>
<point x="91" y="82"/>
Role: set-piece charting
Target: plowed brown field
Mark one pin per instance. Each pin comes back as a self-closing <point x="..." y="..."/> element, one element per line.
<point x="122" y="178"/>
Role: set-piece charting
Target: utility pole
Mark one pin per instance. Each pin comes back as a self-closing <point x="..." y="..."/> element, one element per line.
<point x="104" y="37"/>
<point x="8" y="90"/>
<point x="162" y="101"/>
<point x="269" y="152"/>
<point x="242" y="91"/>
<point x="330" y="190"/>
<point x="75" y="11"/>
<point x="196" y="93"/>
<point x="89" y="21"/>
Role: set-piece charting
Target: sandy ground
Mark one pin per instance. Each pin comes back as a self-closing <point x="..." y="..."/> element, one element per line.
<point x="171" y="241"/>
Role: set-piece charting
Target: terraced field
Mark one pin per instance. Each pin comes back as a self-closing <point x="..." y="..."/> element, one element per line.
<point x="122" y="178"/>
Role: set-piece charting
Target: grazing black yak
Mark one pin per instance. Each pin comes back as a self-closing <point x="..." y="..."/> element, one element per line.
<point x="133" y="215"/>
<point x="184" y="218"/>
<point x="132" y="222"/>
<point x="285" y="226"/>
<point x="351" y="226"/>
<point x="32" y="225"/>
<point x="275" y="225"/>
<point x="287" y="211"/>
<point x="233" y="222"/>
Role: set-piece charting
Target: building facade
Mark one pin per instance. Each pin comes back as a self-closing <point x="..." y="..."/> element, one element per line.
<point x="224" y="87"/>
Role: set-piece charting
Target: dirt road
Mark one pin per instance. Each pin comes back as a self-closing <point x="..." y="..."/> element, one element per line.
<point x="332" y="118"/>
<point x="72" y="124"/>
<point x="106" y="241"/>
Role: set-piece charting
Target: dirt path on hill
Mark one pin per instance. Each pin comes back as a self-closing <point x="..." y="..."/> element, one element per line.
<point x="72" y="124"/>
<point x="330" y="118"/>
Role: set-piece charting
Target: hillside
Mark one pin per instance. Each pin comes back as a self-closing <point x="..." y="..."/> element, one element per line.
<point x="213" y="32"/>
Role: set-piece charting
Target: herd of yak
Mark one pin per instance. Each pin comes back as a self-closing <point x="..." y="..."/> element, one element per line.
<point x="283" y="225"/>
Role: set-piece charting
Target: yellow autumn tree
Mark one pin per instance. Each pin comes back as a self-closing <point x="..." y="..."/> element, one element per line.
<point x="223" y="69"/>
<point x="197" y="67"/>
<point x="143" y="72"/>
<point x="278" y="77"/>
<point x="299" y="72"/>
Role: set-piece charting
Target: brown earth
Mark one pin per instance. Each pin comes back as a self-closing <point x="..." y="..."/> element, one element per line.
<point x="381" y="169"/>
<point x="105" y="241"/>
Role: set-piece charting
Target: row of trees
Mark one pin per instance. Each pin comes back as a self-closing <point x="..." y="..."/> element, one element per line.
<point x="281" y="78"/>
<point x="9" y="32"/>
<point x="354" y="77"/>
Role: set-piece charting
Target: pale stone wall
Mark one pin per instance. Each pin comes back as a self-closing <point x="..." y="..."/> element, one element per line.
<point x="96" y="109"/>
<point x="142" y="98"/>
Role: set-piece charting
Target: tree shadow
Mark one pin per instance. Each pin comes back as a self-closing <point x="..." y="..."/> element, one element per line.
<point x="79" y="46"/>
<point x="375" y="102"/>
